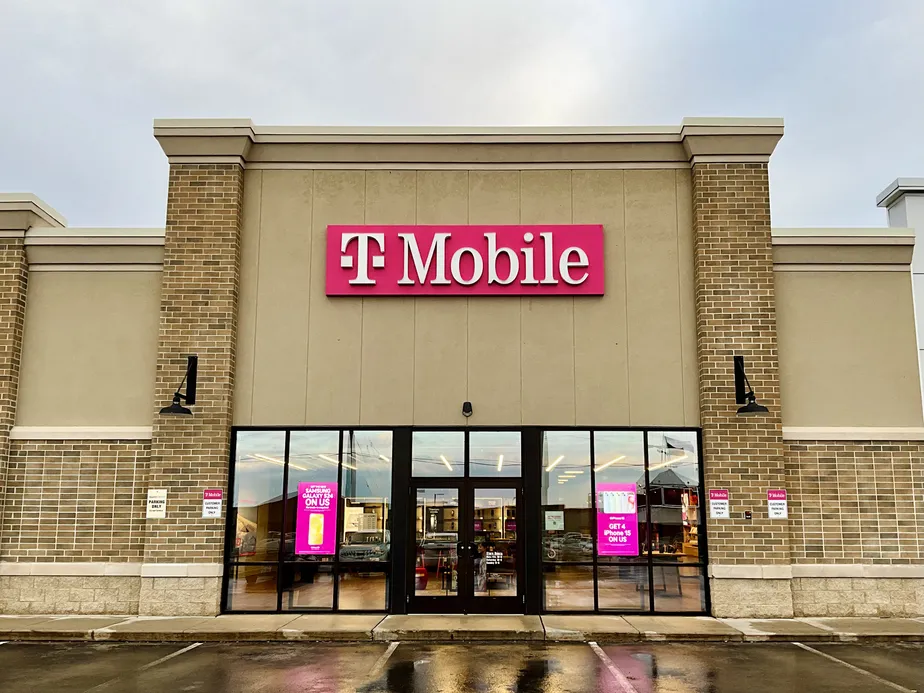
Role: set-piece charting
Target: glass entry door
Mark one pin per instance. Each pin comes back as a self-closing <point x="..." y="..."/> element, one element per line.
<point x="467" y="556"/>
<point x="465" y="510"/>
<point x="438" y="544"/>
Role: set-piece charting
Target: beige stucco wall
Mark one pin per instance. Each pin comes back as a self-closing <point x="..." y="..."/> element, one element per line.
<point x="89" y="348"/>
<point x="847" y="349"/>
<point x="627" y="358"/>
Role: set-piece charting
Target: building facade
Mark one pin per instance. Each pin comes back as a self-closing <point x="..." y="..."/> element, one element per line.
<point x="460" y="370"/>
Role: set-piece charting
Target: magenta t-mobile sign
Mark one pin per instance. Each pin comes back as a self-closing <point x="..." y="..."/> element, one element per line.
<point x="554" y="260"/>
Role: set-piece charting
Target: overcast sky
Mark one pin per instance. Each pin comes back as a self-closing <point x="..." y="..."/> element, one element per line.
<point x="83" y="79"/>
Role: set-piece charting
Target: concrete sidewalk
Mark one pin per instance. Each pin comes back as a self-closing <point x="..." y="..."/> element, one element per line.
<point x="366" y="628"/>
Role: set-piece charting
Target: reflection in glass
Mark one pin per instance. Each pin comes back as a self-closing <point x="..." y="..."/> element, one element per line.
<point x="678" y="588"/>
<point x="437" y="534"/>
<point x="494" y="453"/>
<point x="495" y="532"/>
<point x="623" y="587"/>
<point x="566" y="496"/>
<point x="312" y="458"/>
<point x="619" y="469"/>
<point x="366" y="496"/>
<point x="362" y="588"/>
<point x="307" y="585"/>
<point x="673" y="496"/>
<point x="568" y="587"/>
<point x="251" y="587"/>
<point x="438" y="453"/>
<point x="257" y="496"/>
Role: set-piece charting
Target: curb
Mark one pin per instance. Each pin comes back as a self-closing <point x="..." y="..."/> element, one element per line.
<point x="107" y="636"/>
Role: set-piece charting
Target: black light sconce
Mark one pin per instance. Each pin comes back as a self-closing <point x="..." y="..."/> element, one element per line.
<point x="467" y="409"/>
<point x="744" y="394"/>
<point x="189" y="379"/>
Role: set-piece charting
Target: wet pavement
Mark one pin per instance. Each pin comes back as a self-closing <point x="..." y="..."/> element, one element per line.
<point x="457" y="668"/>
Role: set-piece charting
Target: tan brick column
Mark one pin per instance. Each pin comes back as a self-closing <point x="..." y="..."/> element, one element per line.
<point x="183" y="552"/>
<point x="18" y="213"/>
<point x="736" y="314"/>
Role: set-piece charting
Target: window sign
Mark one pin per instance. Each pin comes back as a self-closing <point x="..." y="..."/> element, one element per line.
<point x="554" y="520"/>
<point x="617" y="520"/>
<point x="316" y="519"/>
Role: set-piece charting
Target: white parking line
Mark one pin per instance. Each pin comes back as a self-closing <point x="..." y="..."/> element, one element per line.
<point x="105" y="684"/>
<point x="624" y="684"/>
<point x="382" y="661"/>
<point x="170" y="656"/>
<point x="881" y="680"/>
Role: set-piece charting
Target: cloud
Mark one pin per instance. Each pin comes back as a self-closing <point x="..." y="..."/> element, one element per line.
<point x="84" y="80"/>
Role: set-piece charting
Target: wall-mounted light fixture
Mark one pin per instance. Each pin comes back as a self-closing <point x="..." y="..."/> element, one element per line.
<point x="466" y="409"/>
<point x="744" y="394"/>
<point x="189" y="379"/>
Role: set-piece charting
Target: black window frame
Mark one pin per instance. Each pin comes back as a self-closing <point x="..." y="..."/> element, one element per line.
<point x="338" y="567"/>
<point x="396" y="597"/>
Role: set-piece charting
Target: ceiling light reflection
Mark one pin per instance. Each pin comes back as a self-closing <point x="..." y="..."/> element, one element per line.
<point x="611" y="462"/>
<point x="555" y="463"/>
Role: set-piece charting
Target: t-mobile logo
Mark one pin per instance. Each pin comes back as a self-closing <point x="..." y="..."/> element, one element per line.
<point x="362" y="256"/>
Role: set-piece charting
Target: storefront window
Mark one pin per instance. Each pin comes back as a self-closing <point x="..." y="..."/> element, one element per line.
<point x="619" y="479"/>
<point x="568" y="587"/>
<point x="641" y="552"/>
<point x="567" y="534"/>
<point x="324" y="544"/>
<point x="438" y="453"/>
<point x="312" y="525"/>
<point x="313" y="468"/>
<point x="494" y="454"/>
<point x="257" y="496"/>
<point x="365" y="543"/>
<point x="674" y="493"/>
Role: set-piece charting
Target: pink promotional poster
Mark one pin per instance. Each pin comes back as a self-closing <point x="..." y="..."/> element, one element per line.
<point x="316" y="519"/>
<point x="537" y="260"/>
<point x="617" y="520"/>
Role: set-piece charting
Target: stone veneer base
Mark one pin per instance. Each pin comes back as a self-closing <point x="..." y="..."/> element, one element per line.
<point x="110" y="594"/>
<point x="817" y="597"/>
<point x="180" y="596"/>
<point x="201" y="596"/>
<point x="58" y="594"/>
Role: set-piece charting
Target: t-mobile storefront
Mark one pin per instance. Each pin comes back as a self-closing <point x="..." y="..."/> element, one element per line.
<point x="475" y="520"/>
<point x="460" y="370"/>
<point x="467" y="518"/>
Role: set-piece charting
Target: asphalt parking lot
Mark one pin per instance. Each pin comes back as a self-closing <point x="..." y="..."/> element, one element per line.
<point x="418" y="668"/>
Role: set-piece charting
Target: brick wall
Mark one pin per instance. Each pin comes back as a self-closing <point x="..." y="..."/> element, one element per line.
<point x="198" y="315"/>
<point x="856" y="502"/>
<point x="13" y="280"/>
<point x="736" y="314"/>
<point x="75" y="501"/>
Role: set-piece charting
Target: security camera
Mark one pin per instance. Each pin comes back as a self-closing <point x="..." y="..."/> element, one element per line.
<point x="466" y="409"/>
